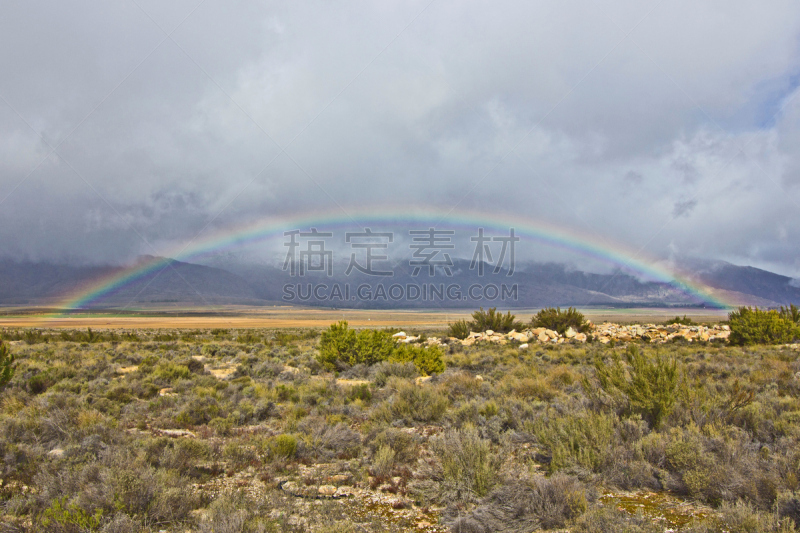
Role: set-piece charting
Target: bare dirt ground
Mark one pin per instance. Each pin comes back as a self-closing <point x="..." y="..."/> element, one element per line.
<point x="238" y="317"/>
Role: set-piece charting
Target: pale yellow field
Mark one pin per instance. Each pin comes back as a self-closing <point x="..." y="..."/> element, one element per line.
<point x="292" y="317"/>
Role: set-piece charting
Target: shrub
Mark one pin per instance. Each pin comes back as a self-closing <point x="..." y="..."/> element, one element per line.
<point x="482" y="321"/>
<point x="383" y="461"/>
<point x="427" y="360"/>
<point x="680" y="321"/>
<point x="649" y="385"/>
<point x="6" y="365"/>
<point x="411" y="402"/>
<point x="170" y="372"/>
<point x="458" y="329"/>
<point x="790" y="313"/>
<point x="383" y="371"/>
<point x="469" y="468"/>
<point x="340" y="346"/>
<point x="404" y="446"/>
<point x="576" y="440"/>
<point x="558" y="320"/>
<point x="758" y="326"/>
<point x="491" y="319"/>
<point x="741" y="517"/>
<point x="284" y="446"/>
<point x="372" y="346"/>
<point x="530" y="504"/>
<point x="62" y="517"/>
<point x="337" y="344"/>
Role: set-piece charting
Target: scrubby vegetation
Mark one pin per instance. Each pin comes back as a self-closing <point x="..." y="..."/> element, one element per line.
<point x="681" y="321"/>
<point x="257" y="430"/>
<point x="6" y="365"/>
<point x="558" y="320"/>
<point x="484" y="321"/>
<point x="341" y="348"/>
<point x="759" y="326"/>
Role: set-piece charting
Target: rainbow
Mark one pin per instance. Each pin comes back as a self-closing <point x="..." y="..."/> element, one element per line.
<point x="264" y="229"/>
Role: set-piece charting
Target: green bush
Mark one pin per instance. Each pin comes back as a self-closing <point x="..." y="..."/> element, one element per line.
<point x="482" y="321"/>
<point x="649" y="384"/>
<point x="491" y="319"/>
<point x="341" y="347"/>
<point x="170" y="372"/>
<point x="459" y="329"/>
<point x="372" y="346"/>
<point x="685" y="321"/>
<point x="790" y="313"/>
<point x="558" y="320"/>
<point x="427" y="360"/>
<point x="6" y="365"/>
<point x="283" y="446"/>
<point x="62" y="517"/>
<point x="337" y="344"/>
<point x="759" y="326"/>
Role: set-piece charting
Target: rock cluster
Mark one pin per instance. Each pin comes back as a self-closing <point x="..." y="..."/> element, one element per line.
<point x="604" y="333"/>
<point x="607" y="332"/>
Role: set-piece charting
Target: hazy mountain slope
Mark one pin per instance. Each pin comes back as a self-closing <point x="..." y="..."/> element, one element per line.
<point x="26" y="283"/>
<point x="537" y="285"/>
<point x="745" y="279"/>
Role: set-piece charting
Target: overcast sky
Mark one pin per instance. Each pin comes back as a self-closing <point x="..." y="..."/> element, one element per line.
<point x="129" y="126"/>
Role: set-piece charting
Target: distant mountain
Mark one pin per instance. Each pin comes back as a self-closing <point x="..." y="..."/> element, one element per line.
<point x="535" y="285"/>
<point x="25" y="283"/>
<point x="532" y="285"/>
<point x="772" y="288"/>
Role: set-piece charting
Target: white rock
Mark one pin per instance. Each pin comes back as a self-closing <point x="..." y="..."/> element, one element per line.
<point x="520" y="337"/>
<point x="569" y="333"/>
<point x="400" y="334"/>
<point x="327" y="490"/>
<point x="523" y="346"/>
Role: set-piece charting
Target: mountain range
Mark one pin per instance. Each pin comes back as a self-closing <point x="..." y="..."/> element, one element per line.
<point x="531" y="286"/>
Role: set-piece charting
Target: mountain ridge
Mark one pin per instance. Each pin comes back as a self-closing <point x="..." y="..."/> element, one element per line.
<point x="537" y="285"/>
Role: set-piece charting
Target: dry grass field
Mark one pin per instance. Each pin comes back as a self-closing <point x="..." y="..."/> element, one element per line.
<point x="129" y="426"/>
<point x="239" y="317"/>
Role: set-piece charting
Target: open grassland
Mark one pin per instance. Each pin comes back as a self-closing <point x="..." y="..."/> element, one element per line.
<point x="238" y="317"/>
<point x="244" y="429"/>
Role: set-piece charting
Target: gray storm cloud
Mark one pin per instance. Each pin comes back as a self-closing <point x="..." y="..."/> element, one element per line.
<point x="127" y="127"/>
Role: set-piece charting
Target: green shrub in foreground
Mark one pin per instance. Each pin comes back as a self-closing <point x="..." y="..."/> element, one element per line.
<point x="758" y="326"/>
<point x="649" y="385"/>
<point x="341" y="347"/>
<point x="427" y="360"/>
<point x="6" y="365"/>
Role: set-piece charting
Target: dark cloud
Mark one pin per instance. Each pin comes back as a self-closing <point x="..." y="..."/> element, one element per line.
<point x="684" y="208"/>
<point x="270" y="109"/>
